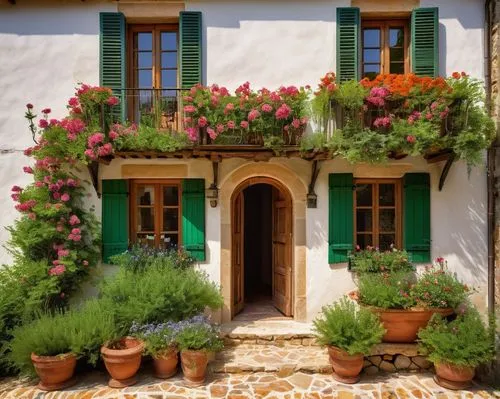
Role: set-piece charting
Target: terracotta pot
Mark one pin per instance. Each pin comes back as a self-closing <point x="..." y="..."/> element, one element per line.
<point x="402" y="325"/>
<point x="55" y="372"/>
<point x="346" y="368"/>
<point x="165" y="363"/>
<point x="194" y="366"/>
<point x="453" y="377"/>
<point x="122" y="364"/>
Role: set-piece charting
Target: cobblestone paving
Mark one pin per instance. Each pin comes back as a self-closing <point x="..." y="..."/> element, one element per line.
<point x="254" y="385"/>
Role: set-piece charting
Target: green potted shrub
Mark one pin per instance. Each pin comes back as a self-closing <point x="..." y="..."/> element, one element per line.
<point x="456" y="347"/>
<point x="349" y="333"/>
<point x="196" y="338"/>
<point x="160" y="342"/>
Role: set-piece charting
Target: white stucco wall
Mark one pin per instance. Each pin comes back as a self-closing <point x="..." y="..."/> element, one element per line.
<point x="46" y="49"/>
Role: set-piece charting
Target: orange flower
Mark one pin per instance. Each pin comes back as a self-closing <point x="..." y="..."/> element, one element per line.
<point x="456" y="75"/>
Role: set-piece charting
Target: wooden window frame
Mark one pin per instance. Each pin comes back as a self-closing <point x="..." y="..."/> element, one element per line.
<point x="384" y="25"/>
<point x="158" y="208"/>
<point x="398" y="199"/>
<point x="156" y="51"/>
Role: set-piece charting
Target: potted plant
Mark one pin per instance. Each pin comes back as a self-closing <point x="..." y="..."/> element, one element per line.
<point x="371" y="260"/>
<point x="160" y="342"/>
<point x="405" y="303"/>
<point x="196" y="338"/>
<point x="122" y="358"/>
<point x="349" y="333"/>
<point x="456" y="347"/>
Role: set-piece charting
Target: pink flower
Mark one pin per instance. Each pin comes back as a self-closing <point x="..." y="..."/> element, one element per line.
<point x="192" y="133"/>
<point x="231" y="125"/>
<point x="53" y="122"/>
<point x="214" y="100"/>
<point x="304" y="120"/>
<point x="71" y="182"/>
<point x="74" y="220"/>
<point x="32" y="216"/>
<point x="188" y="99"/>
<point x="95" y="139"/>
<point x="62" y="253"/>
<point x="382" y="122"/>
<point x="74" y="237"/>
<point x="113" y="135"/>
<point x="16" y="189"/>
<point x="89" y="153"/>
<point x="202" y="122"/>
<point x="28" y="169"/>
<point x="57" y="270"/>
<point x="189" y="109"/>
<point x="65" y="197"/>
<point x="56" y="195"/>
<point x="73" y="102"/>
<point x="296" y="123"/>
<point x="39" y="184"/>
<point x="244" y="124"/>
<point x="253" y="114"/>
<point x="112" y="101"/>
<point x="283" y="112"/>
<point x="29" y="106"/>
<point x="428" y="116"/>
<point x="15" y="196"/>
<point x="411" y="139"/>
<point x="73" y="126"/>
<point x="229" y="107"/>
<point x="28" y="151"/>
<point x="292" y="91"/>
<point x="275" y="96"/>
<point x="220" y="128"/>
<point x="104" y="150"/>
<point x="46" y="111"/>
<point x="85" y="263"/>
<point x="43" y="123"/>
<point x="211" y="132"/>
<point x="266" y="108"/>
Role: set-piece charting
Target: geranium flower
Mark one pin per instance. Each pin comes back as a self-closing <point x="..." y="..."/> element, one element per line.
<point x="189" y="109"/>
<point x="113" y="135"/>
<point x="283" y="112"/>
<point x="211" y="133"/>
<point x="112" y="101"/>
<point x="42" y="123"/>
<point x="411" y="139"/>
<point x="202" y="121"/>
<point x="266" y="108"/>
<point x="28" y="169"/>
<point x="29" y="106"/>
<point x="16" y="189"/>
<point x="244" y="124"/>
<point x="46" y="111"/>
<point x="57" y="270"/>
<point x="253" y="114"/>
<point x="231" y="125"/>
<point x="65" y="197"/>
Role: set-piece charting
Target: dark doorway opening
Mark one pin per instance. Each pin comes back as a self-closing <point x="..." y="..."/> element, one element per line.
<point x="258" y="258"/>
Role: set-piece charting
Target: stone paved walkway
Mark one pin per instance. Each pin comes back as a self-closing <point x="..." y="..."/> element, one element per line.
<point x="248" y="386"/>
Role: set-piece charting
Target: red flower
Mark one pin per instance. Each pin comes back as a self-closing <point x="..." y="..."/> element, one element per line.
<point x="46" y="111"/>
<point x="29" y="106"/>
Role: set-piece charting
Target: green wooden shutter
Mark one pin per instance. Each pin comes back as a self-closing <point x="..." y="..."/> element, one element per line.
<point x="193" y="217"/>
<point x="190" y="47"/>
<point x="340" y="217"/>
<point x="417" y="216"/>
<point x="114" y="218"/>
<point x="112" y="58"/>
<point x="348" y="37"/>
<point x="425" y="41"/>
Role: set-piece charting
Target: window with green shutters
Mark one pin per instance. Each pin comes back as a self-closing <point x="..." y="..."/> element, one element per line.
<point x="425" y="41"/>
<point x="114" y="218"/>
<point x="340" y="221"/>
<point x="348" y="37"/>
<point x="112" y="58"/>
<point x="193" y="217"/>
<point x="417" y="216"/>
<point x="190" y="48"/>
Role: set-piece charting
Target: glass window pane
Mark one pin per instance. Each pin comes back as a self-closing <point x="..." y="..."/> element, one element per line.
<point x="169" y="78"/>
<point x="145" y="59"/>
<point x="396" y="37"/>
<point x="170" y="219"/>
<point x="363" y="240"/>
<point x="169" y="60"/>
<point x="145" y="195"/>
<point x="363" y="194"/>
<point x="397" y="67"/>
<point x="145" y="219"/>
<point x="170" y="195"/>
<point x="371" y="70"/>
<point x="387" y="220"/>
<point x="371" y="37"/>
<point x="145" y="78"/>
<point x="144" y="41"/>
<point x="385" y="241"/>
<point x="169" y="241"/>
<point x="168" y="40"/>
<point x="397" y="54"/>
<point x="371" y="55"/>
<point x="387" y="195"/>
<point x="364" y="220"/>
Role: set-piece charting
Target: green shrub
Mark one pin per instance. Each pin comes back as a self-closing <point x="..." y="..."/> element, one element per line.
<point x="159" y="293"/>
<point x="388" y="290"/>
<point x="156" y="336"/>
<point x="371" y="260"/>
<point x="47" y="336"/>
<point x="438" y="288"/>
<point x="349" y="328"/>
<point x="464" y="341"/>
<point x="197" y="334"/>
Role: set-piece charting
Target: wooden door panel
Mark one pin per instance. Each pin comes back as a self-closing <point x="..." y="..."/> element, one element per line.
<point x="237" y="227"/>
<point x="282" y="250"/>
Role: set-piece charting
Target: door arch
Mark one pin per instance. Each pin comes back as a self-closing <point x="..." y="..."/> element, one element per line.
<point x="282" y="245"/>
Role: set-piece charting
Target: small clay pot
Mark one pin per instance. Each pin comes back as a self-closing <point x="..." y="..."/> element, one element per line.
<point x="122" y="364"/>
<point x="55" y="372"/>
<point x="453" y="377"/>
<point x="346" y="368"/>
<point x="165" y="363"/>
<point x="402" y="325"/>
<point x="194" y="366"/>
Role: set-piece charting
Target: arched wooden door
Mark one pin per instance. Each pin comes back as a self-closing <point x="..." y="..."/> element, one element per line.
<point x="282" y="246"/>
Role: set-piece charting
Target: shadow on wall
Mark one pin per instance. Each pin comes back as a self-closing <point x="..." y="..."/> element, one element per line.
<point x="442" y="49"/>
<point x="459" y="229"/>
